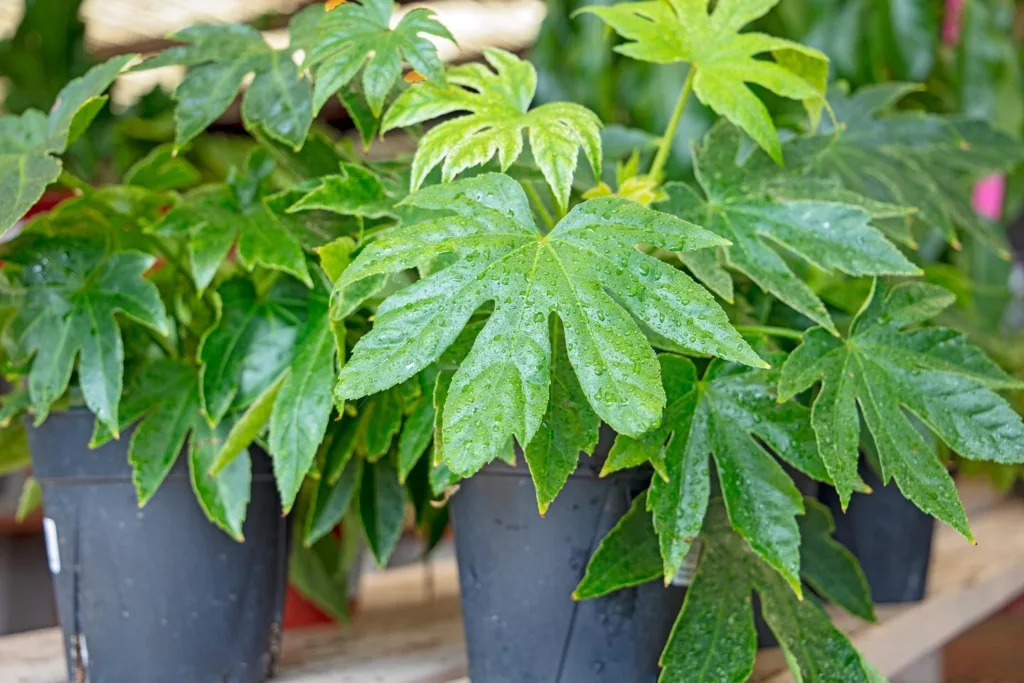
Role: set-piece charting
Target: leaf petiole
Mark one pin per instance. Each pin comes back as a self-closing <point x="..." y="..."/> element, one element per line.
<point x="781" y="332"/>
<point x="538" y="204"/>
<point x="665" y="148"/>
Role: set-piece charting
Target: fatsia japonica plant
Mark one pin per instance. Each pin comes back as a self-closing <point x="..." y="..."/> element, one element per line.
<point x="386" y="328"/>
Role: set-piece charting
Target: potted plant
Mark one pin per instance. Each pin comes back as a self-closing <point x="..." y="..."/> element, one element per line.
<point x="454" y="334"/>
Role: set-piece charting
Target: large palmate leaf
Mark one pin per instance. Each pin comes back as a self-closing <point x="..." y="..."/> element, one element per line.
<point x="731" y="414"/>
<point x="358" y="33"/>
<point x="714" y="638"/>
<point x="901" y="379"/>
<point x="501" y="389"/>
<point x="279" y="100"/>
<point x="909" y="158"/>
<point x="31" y="142"/>
<point x="498" y="103"/>
<point x="723" y="60"/>
<point x="251" y="345"/>
<point x="734" y="204"/>
<point x="72" y="290"/>
<point x="164" y="400"/>
<point x="215" y="218"/>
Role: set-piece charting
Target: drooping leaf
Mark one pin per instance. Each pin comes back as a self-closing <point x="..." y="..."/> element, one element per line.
<point x="569" y="427"/>
<point x="723" y="60"/>
<point x="164" y="400"/>
<point x="498" y="104"/>
<point x="72" y="290"/>
<point x="910" y="158"/>
<point x="714" y="638"/>
<point x="358" y="33"/>
<point x="828" y="567"/>
<point x="214" y="218"/>
<point x="30" y="499"/>
<point x="730" y="414"/>
<point x="501" y="389"/>
<point x="333" y="500"/>
<point x="278" y="101"/>
<point x="417" y="433"/>
<point x="301" y="410"/>
<point x="248" y="426"/>
<point x="14" y="453"/>
<point x="628" y="555"/>
<point x="31" y="143"/>
<point x="381" y="509"/>
<point x="933" y="373"/>
<point x="829" y="234"/>
<point x="251" y="345"/>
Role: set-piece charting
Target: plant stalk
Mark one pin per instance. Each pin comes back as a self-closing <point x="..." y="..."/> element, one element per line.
<point x="781" y="332"/>
<point x="665" y="148"/>
<point x="538" y="203"/>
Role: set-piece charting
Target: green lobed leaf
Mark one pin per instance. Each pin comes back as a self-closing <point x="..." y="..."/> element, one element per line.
<point x="909" y="158"/>
<point x="161" y="170"/>
<point x="931" y="372"/>
<point x="381" y="509"/>
<point x="299" y="417"/>
<point x="722" y="60"/>
<point x="356" y="191"/>
<point x="251" y="344"/>
<point x="628" y="555"/>
<point x="831" y="235"/>
<point x="72" y="290"/>
<point x="714" y="638"/>
<point x="498" y="103"/>
<point x="730" y="414"/>
<point x="568" y="429"/>
<point x="278" y="101"/>
<point x="828" y="567"/>
<point x="359" y="33"/>
<point x="31" y="143"/>
<point x="501" y="389"/>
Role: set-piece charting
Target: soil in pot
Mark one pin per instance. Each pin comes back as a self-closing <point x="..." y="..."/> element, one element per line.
<point x="890" y="537"/>
<point x="157" y="594"/>
<point x="517" y="572"/>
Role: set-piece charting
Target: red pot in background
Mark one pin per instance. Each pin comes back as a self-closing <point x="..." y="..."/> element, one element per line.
<point x="300" y="613"/>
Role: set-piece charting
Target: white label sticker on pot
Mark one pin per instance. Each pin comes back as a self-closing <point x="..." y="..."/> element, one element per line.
<point x="52" y="549"/>
<point x="685" y="574"/>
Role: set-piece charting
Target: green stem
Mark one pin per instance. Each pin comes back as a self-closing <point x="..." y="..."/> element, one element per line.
<point x="538" y="204"/>
<point x="782" y="332"/>
<point x="73" y="182"/>
<point x="665" y="148"/>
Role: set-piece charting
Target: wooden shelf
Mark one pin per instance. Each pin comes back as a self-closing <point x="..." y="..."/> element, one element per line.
<point x="410" y="631"/>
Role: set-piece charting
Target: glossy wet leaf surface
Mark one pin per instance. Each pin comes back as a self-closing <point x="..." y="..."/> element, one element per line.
<point x="891" y="374"/>
<point x="725" y="61"/>
<point x="734" y="204"/>
<point x="499" y="115"/>
<point x="73" y="292"/>
<point x="730" y="414"/>
<point x="501" y="389"/>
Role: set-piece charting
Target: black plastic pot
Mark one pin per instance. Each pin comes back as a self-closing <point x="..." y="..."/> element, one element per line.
<point x="158" y="594"/>
<point x="517" y="572"/>
<point x="889" y="536"/>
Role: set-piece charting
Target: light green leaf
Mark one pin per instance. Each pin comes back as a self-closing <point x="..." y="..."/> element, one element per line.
<point x="278" y="102"/>
<point x="627" y="555"/>
<point x="161" y="170"/>
<point x="498" y="104"/>
<point x="830" y="235"/>
<point x="501" y="389"/>
<point x="932" y="373"/>
<point x="247" y="427"/>
<point x="14" y="453"/>
<point x="722" y="60"/>
<point x="31" y="142"/>
<point x="73" y="289"/>
<point x="30" y="499"/>
<point x="568" y="429"/>
<point x="356" y="191"/>
<point x="381" y="509"/>
<point x="730" y="414"/>
<point x="303" y="406"/>
<point x="359" y="33"/>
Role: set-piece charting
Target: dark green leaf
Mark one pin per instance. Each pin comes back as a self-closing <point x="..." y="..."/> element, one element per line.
<point x="162" y="170"/>
<point x="381" y="509"/>
<point x="417" y="433"/>
<point x="932" y="372"/>
<point x="830" y="568"/>
<point x="332" y="501"/>
<point x="224" y="496"/>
